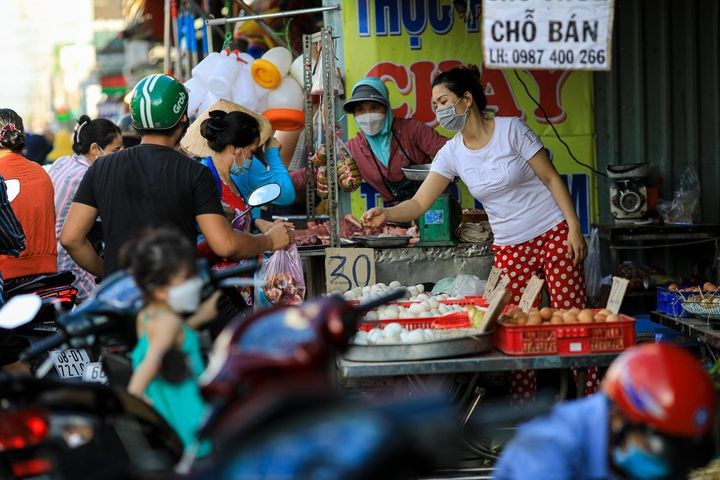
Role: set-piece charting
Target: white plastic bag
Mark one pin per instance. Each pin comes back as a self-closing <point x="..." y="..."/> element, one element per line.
<point x="685" y="205"/>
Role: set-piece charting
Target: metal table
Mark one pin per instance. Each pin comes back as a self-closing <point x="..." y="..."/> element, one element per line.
<point x="494" y="361"/>
<point x="697" y="328"/>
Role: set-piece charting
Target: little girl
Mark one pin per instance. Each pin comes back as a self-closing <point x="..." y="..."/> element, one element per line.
<point x="162" y="263"/>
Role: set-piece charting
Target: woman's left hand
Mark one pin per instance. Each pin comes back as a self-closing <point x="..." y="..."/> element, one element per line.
<point x="576" y="245"/>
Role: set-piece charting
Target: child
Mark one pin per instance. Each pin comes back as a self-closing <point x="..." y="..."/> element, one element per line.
<point x="162" y="263"/>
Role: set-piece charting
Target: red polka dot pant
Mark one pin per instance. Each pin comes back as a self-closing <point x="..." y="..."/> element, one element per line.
<point x="546" y="253"/>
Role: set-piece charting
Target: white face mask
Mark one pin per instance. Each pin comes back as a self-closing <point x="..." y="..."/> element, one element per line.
<point x="370" y="123"/>
<point x="185" y="298"/>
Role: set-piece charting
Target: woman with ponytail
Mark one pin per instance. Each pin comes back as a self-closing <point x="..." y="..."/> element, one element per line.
<point x="91" y="140"/>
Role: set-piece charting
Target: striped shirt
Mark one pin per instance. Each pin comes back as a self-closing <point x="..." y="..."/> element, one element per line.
<point x="12" y="238"/>
<point x="66" y="174"/>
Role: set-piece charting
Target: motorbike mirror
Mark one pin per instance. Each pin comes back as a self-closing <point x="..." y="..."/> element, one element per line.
<point x="265" y="194"/>
<point x="19" y="310"/>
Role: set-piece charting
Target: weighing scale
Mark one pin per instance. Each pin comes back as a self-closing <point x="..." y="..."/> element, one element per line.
<point x="437" y="224"/>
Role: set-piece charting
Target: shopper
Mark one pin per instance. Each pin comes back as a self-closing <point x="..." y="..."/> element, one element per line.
<point x="163" y="266"/>
<point x="385" y="144"/>
<point x="232" y="137"/>
<point x="506" y="168"/>
<point x="153" y="185"/>
<point x="251" y="173"/>
<point x="653" y="419"/>
<point x="33" y="206"/>
<point x="12" y="242"/>
<point x="92" y="139"/>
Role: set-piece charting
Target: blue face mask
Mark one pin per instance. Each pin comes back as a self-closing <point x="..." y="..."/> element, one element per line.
<point x="639" y="464"/>
<point x="238" y="170"/>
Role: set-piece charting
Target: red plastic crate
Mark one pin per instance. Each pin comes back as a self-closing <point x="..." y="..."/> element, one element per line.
<point x="452" y="320"/>
<point x="566" y="339"/>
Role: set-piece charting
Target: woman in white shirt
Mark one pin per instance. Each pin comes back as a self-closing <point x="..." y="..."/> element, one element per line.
<point x="506" y="168"/>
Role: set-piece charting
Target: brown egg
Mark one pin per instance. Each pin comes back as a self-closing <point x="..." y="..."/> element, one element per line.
<point x="604" y="311"/>
<point x="534" y="319"/>
<point x="568" y="317"/>
<point x="613" y="318"/>
<point x="515" y="311"/>
<point x="574" y="310"/>
<point x="585" y="316"/>
<point x="521" y="319"/>
<point x="599" y="317"/>
<point x="709" y="287"/>
<point x="673" y="287"/>
<point x="506" y="320"/>
<point x="556" y="320"/>
<point x="546" y="313"/>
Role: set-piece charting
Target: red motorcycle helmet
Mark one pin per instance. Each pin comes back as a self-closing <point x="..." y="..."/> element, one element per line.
<point x="663" y="387"/>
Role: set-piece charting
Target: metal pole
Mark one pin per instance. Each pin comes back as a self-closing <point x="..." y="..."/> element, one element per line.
<point x="290" y="13"/>
<point x="328" y="66"/>
<point x="309" y="137"/>
<point x="271" y="33"/>
<point x="166" y="39"/>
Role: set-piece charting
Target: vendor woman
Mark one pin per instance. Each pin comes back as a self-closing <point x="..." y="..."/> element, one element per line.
<point x="385" y="144"/>
<point x="506" y="168"/>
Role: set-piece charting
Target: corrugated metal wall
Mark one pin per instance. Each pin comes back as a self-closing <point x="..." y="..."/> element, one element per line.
<point x="661" y="101"/>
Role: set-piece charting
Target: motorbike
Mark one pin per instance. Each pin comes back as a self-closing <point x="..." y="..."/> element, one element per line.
<point x="57" y="294"/>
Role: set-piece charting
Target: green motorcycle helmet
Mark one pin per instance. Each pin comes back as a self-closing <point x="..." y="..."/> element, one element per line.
<point x="158" y="103"/>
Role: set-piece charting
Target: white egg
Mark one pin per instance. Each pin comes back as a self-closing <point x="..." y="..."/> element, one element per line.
<point x="420" y="287"/>
<point x="392" y="328"/>
<point x="417" y="308"/>
<point x="424" y="315"/>
<point x="413" y="291"/>
<point x="433" y="303"/>
<point x="435" y="313"/>
<point x="395" y="284"/>
<point x="373" y="335"/>
<point x="414" y="336"/>
<point x="405" y="314"/>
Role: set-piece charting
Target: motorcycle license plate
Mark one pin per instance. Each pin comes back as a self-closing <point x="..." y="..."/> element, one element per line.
<point x="70" y="363"/>
<point x="94" y="373"/>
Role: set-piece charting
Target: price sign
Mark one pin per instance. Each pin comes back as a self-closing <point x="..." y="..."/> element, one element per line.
<point x="492" y="282"/>
<point x="531" y="292"/>
<point x="347" y="268"/>
<point x="617" y="293"/>
<point x="499" y="300"/>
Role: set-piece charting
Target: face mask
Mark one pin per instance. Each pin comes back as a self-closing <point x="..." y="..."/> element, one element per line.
<point x="185" y="298"/>
<point x="238" y="170"/>
<point x="370" y="123"/>
<point x="639" y="464"/>
<point x="450" y="120"/>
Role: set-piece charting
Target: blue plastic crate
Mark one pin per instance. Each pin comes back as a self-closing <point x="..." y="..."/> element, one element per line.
<point x="670" y="302"/>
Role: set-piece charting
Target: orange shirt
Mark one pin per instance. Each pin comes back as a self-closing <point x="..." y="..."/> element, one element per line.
<point x="35" y="209"/>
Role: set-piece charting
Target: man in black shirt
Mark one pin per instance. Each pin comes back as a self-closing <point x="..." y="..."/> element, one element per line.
<point x="153" y="185"/>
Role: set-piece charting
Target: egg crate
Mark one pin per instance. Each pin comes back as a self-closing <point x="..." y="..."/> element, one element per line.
<point x="451" y="320"/>
<point x="566" y="339"/>
<point x="670" y="302"/>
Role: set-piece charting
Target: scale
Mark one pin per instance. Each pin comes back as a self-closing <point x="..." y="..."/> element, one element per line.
<point x="437" y="224"/>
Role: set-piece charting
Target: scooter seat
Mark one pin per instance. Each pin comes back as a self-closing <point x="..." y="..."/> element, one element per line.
<point x="42" y="281"/>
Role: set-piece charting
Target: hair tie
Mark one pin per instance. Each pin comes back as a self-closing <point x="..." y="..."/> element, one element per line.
<point x="79" y="128"/>
<point x="8" y="128"/>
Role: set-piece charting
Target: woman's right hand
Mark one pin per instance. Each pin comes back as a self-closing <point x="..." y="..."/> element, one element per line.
<point x="281" y="236"/>
<point x="373" y="218"/>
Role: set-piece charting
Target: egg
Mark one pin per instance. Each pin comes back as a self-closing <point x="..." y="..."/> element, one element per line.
<point x="415" y="336"/>
<point x="534" y="319"/>
<point x="417" y="308"/>
<point x="612" y="318"/>
<point x="556" y="320"/>
<point x="521" y="319"/>
<point x="599" y="317"/>
<point x="433" y="303"/>
<point x="569" y="317"/>
<point x="515" y="311"/>
<point x="395" y="284"/>
<point x="574" y="311"/>
<point x="604" y="311"/>
<point x="585" y="316"/>
<point x="709" y="287"/>
<point x="393" y="328"/>
<point x="424" y="315"/>
<point x="673" y="287"/>
<point x="420" y="287"/>
<point x="371" y="315"/>
<point x="546" y="313"/>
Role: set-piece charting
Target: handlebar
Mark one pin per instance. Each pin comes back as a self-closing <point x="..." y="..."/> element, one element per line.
<point x="43" y="345"/>
<point x="234" y="271"/>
